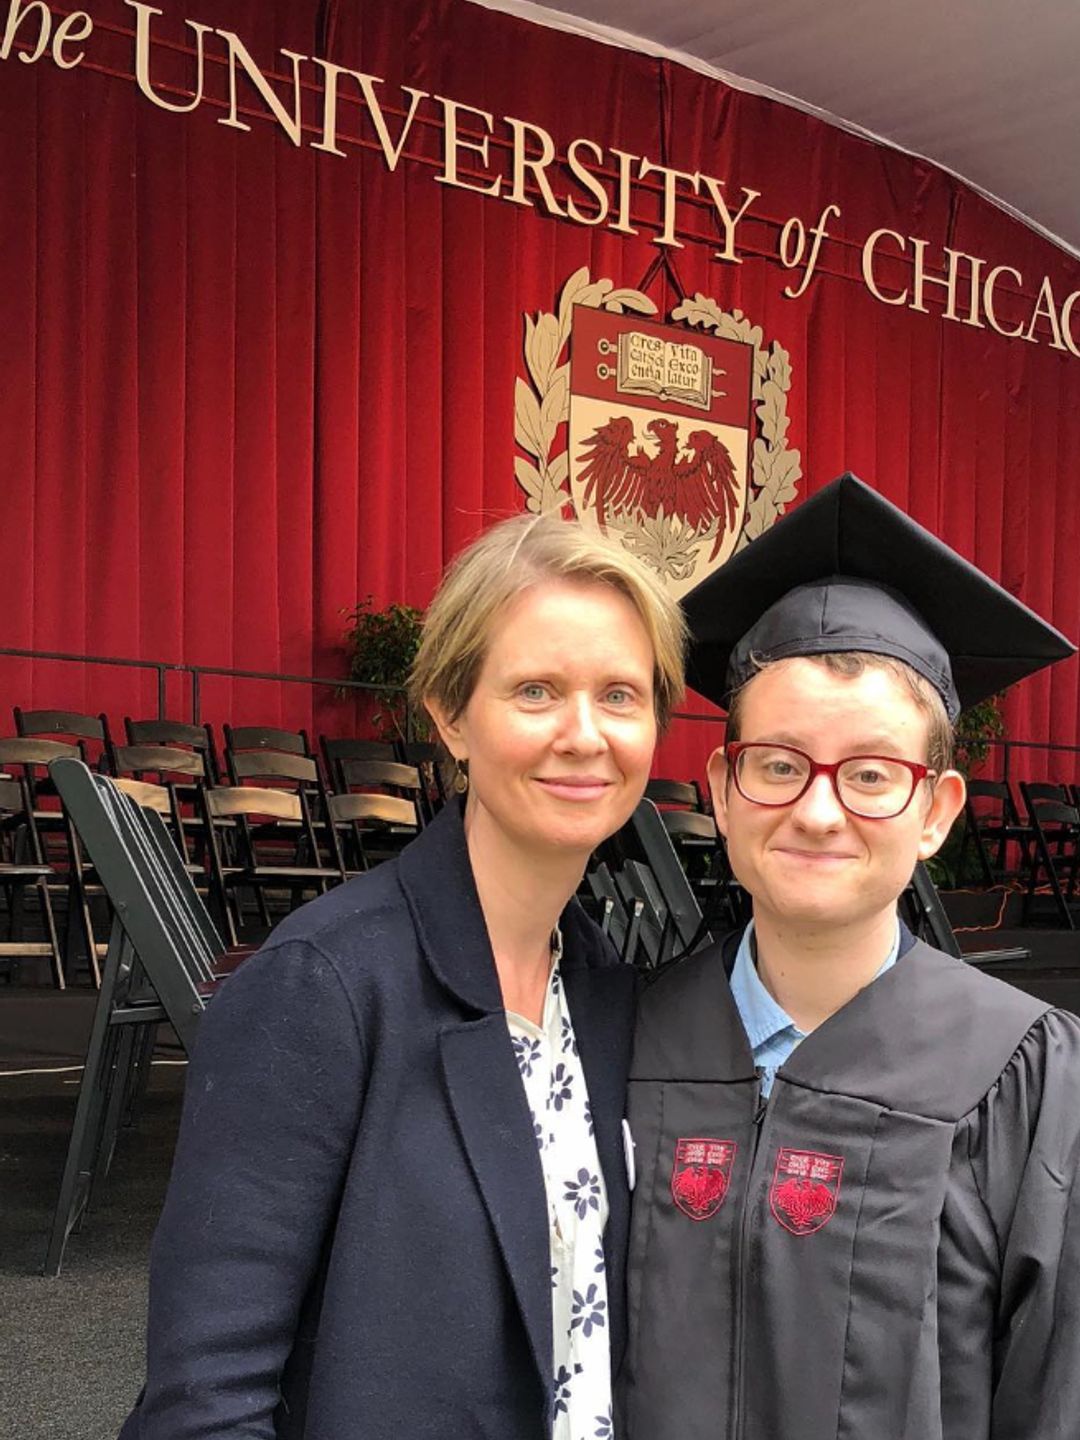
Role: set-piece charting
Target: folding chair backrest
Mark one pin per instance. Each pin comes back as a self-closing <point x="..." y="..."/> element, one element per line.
<point x="159" y="910"/>
<point x="175" y="733"/>
<point x="265" y="737"/>
<point x="384" y="809"/>
<point x="337" y="749"/>
<point x="993" y="790"/>
<point x="388" y="775"/>
<point x="272" y="765"/>
<point x="224" y="801"/>
<point x="689" y="823"/>
<point x="684" y="793"/>
<point x="26" y="751"/>
<point x="145" y="794"/>
<point x="1036" y="792"/>
<point x="61" y="722"/>
<point x="141" y="760"/>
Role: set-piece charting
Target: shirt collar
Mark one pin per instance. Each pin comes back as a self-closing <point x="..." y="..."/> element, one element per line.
<point x="762" y="1017"/>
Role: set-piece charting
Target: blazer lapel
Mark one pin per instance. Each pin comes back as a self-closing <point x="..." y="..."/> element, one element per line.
<point x="492" y="1114"/>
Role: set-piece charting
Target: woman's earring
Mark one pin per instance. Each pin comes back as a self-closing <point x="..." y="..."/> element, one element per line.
<point x="461" y="777"/>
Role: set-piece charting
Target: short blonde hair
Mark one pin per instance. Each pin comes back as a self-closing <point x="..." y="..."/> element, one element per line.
<point x="510" y="558"/>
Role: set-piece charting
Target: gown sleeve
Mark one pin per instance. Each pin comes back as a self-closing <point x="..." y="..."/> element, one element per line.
<point x="271" y="1107"/>
<point x="1024" y="1153"/>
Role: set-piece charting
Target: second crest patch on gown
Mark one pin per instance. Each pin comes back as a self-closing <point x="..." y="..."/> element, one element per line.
<point x="805" y="1189"/>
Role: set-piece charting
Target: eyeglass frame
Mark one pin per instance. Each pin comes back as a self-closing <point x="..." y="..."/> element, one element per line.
<point x="734" y="748"/>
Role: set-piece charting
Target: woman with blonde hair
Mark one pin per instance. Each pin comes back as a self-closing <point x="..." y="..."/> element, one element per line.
<point x="399" y="1202"/>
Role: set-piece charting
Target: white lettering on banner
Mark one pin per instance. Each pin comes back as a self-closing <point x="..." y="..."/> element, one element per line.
<point x="453" y="142"/>
<point x="143" y="21"/>
<point x="328" y="141"/>
<point x="626" y="160"/>
<point x="588" y="181"/>
<point x="32" y="10"/>
<point x="667" y="234"/>
<point x="1046" y="309"/>
<point x="66" y="31"/>
<point x="727" y="220"/>
<point x="238" y="54"/>
<point x="989" y="285"/>
<point x="513" y="159"/>
<point x="536" y="164"/>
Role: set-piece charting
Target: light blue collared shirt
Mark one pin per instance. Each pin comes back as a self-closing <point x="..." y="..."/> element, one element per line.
<point x="771" y="1031"/>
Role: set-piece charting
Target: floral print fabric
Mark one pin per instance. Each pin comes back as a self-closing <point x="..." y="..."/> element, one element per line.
<point x="554" y="1083"/>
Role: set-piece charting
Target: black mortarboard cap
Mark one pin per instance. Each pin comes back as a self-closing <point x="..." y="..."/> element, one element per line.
<point x="848" y="571"/>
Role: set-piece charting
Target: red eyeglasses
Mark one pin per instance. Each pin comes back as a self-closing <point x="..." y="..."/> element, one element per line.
<point x="873" y="787"/>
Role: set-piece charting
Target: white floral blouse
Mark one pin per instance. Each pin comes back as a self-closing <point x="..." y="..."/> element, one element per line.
<point x="554" y="1083"/>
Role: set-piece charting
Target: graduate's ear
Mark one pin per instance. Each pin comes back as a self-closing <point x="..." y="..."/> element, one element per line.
<point x="717" y="771"/>
<point x="947" y="800"/>
<point x="451" y="732"/>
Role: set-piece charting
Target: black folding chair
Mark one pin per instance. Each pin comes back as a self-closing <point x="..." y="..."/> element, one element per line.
<point x="1056" y="833"/>
<point x="992" y="823"/>
<point x="640" y="889"/>
<point x="428" y="759"/>
<point x="681" y="794"/>
<point x="198" y="738"/>
<point x="163" y="962"/>
<point x="336" y="750"/>
<point x="23" y="868"/>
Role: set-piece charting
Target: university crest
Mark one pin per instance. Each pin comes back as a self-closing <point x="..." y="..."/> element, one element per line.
<point x="700" y="1175"/>
<point x="670" y="436"/>
<point x="805" y="1189"/>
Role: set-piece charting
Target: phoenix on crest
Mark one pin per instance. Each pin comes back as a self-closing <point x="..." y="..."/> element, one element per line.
<point x="695" y="482"/>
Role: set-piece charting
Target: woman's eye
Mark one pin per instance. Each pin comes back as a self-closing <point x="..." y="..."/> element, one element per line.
<point x="619" y="695"/>
<point x="533" y="690"/>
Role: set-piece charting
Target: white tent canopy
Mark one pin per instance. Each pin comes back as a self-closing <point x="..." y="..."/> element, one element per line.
<point x="985" y="88"/>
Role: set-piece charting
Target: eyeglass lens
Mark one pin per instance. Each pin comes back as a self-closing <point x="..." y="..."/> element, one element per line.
<point x="867" y="785"/>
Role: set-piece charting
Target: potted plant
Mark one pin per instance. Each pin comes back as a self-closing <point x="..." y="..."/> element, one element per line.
<point x="381" y="646"/>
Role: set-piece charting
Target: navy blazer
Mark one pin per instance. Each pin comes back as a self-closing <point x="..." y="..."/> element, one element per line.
<point x="355" y="1244"/>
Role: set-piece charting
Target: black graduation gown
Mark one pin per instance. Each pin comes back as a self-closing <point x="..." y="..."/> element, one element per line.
<point x="887" y="1249"/>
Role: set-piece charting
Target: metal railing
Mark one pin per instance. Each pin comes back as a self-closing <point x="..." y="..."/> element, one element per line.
<point x="1008" y="746"/>
<point x="163" y="668"/>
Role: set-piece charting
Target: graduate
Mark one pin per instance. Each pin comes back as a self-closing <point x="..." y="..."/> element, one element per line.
<point x="856" y="1209"/>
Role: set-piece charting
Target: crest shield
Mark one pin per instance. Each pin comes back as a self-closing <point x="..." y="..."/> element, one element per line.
<point x="805" y="1189"/>
<point x="700" y="1175"/>
<point x="660" y="433"/>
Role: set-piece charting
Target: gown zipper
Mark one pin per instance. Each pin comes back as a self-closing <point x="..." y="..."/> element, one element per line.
<point x="757" y="1126"/>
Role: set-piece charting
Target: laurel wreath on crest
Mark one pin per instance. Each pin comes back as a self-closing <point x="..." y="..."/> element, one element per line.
<point x="540" y="408"/>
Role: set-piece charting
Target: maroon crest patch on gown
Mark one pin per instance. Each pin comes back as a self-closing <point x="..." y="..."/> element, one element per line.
<point x="805" y="1189"/>
<point x="700" y="1175"/>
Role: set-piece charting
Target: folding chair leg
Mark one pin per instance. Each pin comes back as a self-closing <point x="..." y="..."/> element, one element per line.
<point x="85" y="1131"/>
<point x="102" y="1159"/>
<point x="49" y="920"/>
<point x="1043" y="851"/>
<point x="140" y="1075"/>
<point x="80" y="929"/>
